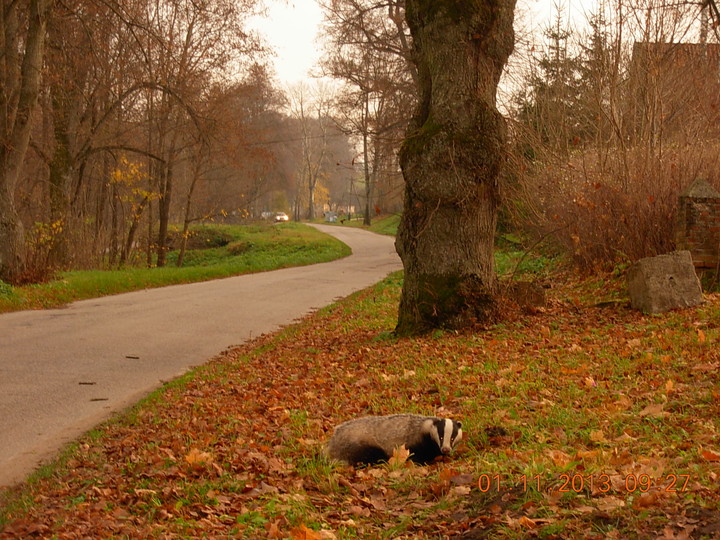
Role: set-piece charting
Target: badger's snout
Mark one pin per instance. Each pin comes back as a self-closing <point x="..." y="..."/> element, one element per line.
<point x="446" y="449"/>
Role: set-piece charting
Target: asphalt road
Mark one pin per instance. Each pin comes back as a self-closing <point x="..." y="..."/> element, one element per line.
<point x="63" y="371"/>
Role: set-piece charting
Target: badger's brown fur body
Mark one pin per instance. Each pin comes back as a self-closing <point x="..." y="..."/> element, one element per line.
<point x="373" y="439"/>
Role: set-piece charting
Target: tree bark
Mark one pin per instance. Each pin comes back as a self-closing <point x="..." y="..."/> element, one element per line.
<point x="366" y="158"/>
<point x="451" y="160"/>
<point x="164" y="213"/>
<point x="19" y="90"/>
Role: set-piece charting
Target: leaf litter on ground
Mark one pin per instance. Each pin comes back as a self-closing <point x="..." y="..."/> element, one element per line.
<point x="579" y="421"/>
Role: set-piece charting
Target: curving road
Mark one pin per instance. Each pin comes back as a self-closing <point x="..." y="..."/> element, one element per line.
<point x="63" y="371"/>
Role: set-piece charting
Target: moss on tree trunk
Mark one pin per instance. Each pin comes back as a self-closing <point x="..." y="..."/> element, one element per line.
<point x="451" y="160"/>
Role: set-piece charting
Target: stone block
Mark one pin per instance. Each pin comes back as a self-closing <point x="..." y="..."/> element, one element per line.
<point x="658" y="284"/>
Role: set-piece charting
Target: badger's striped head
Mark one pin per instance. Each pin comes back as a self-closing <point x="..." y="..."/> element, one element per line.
<point x="446" y="433"/>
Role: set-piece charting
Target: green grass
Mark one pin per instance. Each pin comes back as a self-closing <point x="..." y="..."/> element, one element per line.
<point x="511" y="263"/>
<point x="220" y="251"/>
<point x="510" y="260"/>
<point x="385" y="225"/>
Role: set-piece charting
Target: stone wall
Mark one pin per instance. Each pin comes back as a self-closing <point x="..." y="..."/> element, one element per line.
<point x="698" y="227"/>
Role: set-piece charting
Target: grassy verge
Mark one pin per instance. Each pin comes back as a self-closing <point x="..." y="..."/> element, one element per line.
<point x="387" y="225"/>
<point x="218" y="251"/>
<point x="580" y="422"/>
<point x="384" y="225"/>
<point x="511" y="260"/>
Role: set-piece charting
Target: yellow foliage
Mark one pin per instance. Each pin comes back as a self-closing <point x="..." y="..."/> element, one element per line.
<point x="322" y="194"/>
<point x="132" y="176"/>
<point x="128" y="173"/>
<point x="44" y="234"/>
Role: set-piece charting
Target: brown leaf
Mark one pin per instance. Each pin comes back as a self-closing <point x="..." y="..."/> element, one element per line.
<point x="625" y="437"/>
<point x="621" y="404"/>
<point x="654" y="410"/>
<point x="495" y="509"/>
<point x="646" y="500"/>
<point x="400" y="456"/>
<point x="609" y="503"/>
<point x="587" y="454"/>
<point x="670" y="534"/>
<point x="446" y="474"/>
<point x="527" y="523"/>
<point x="303" y="533"/>
<point x="709" y="455"/>
<point x="196" y="458"/>
<point x="620" y="457"/>
<point x="359" y="511"/>
<point x="462" y="479"/>
<point x="559" y="458"/>
<point x="272" y="530"/>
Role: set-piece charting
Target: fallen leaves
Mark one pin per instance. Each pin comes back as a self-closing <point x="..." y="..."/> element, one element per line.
<point x="575" y="420"/>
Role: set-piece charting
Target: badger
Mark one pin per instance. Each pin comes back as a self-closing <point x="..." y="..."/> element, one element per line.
<point x="372" y="439"/>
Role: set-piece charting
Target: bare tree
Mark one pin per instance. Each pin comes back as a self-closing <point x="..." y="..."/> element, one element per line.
<point x="369" y="50"/>
<point x="311" y="108"/>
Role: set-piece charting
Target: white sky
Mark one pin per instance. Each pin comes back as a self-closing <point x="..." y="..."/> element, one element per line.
<point x="291" y="28"/>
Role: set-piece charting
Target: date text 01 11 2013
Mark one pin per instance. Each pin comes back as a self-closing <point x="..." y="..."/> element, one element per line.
<point x="594" y="483"/>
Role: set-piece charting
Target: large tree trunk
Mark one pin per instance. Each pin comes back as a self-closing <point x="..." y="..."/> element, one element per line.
<point x="366" y="165"/>
<point x="12" y="237"/>
<point x="19" y="90"/>
<point x="451" y="160"/>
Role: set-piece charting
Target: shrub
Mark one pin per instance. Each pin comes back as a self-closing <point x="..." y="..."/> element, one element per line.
<point x="239" y="247"/>
<point x="6" y="289"/>
<point x="41" y="241"/>
<point x="611" y="208"/>
<point x="201" y="238"/>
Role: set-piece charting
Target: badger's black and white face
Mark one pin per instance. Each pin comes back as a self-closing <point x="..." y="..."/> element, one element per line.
<point x="446" y="433"/>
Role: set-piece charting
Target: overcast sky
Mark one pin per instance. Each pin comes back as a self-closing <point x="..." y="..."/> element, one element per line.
<point x="291" y="28"/>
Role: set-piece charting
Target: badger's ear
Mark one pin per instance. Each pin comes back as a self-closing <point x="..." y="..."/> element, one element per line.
<point x="459" y="424"/>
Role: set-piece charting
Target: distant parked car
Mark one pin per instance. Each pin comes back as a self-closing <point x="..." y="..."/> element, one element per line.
<point x="281" y="217"/>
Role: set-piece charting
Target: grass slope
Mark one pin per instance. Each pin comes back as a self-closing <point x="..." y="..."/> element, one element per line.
<point x="580" y="422"/>
<point x="218" y="251"/>
<point x="383" y="225"/>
